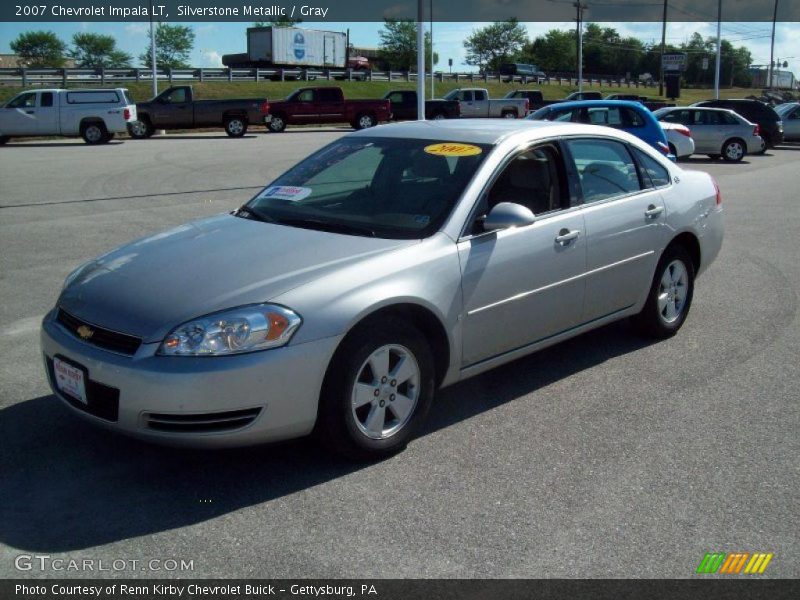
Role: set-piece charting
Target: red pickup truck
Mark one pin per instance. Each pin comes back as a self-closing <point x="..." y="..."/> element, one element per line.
<point x="325" y="105"/>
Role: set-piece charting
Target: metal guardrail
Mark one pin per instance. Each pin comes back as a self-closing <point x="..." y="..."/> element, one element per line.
<point x="24" y="77"/>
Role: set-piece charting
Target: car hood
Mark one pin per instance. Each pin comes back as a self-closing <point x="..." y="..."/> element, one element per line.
<point x="148" y="287"/>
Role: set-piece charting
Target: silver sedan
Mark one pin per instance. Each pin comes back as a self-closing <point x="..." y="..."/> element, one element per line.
<point x="391" y="263"/>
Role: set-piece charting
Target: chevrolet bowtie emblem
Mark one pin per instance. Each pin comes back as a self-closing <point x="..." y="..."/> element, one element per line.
<point x="85" y="332"/>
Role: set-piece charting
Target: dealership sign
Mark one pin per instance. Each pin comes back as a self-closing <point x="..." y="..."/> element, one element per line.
<point x="673" y="62"/>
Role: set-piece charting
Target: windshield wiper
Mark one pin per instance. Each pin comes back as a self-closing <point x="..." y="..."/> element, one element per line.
<point x="328" y="226"/>
<point x="246" y="212"/>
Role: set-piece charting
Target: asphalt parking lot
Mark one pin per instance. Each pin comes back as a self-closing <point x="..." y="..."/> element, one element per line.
<point x="606" y="456"/>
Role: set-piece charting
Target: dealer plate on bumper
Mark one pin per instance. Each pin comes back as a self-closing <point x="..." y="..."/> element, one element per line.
<point x="70" y="380"/>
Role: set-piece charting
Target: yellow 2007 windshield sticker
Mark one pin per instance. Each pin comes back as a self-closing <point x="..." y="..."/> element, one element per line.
<point x="453" y="149"/>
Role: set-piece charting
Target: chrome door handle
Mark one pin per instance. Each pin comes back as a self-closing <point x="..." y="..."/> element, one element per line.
<point x="653" y="211"/>
<point x="565" y="236"/>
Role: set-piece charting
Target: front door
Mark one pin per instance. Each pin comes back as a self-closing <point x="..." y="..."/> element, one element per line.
<point x="523" y="285"/>
<point x="174" y="110"/>
<point x="18" y="117"/>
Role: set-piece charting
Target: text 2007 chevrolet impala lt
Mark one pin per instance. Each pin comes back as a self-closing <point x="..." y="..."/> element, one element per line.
<point x="390" y="263"/>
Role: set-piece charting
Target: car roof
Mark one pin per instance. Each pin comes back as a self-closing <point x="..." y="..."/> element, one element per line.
<point x="598" y="104"/>
<point x="478" y="131"/>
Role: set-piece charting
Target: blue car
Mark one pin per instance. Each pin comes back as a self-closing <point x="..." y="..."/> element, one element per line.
<point x="626" y="115"/>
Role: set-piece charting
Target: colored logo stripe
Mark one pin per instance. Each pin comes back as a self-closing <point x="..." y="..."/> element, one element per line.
<point x="732" y="563"/>
<point x="758" y="563"/>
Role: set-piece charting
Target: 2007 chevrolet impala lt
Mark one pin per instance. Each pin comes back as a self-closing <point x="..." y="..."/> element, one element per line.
<point x="388" y="264"/>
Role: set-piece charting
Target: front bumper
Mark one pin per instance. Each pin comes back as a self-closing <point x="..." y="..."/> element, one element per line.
<point x="220" y="401"/>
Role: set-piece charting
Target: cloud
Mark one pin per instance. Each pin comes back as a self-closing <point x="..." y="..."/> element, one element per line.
<point x="137" y="29"/>
<point x="203" y="29"/>
<point x="211" y="58"/>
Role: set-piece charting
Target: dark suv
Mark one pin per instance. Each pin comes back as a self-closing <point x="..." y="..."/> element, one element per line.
<point x="756" y="112"/>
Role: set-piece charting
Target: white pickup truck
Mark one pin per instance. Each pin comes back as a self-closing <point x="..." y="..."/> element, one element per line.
<point x="95" y="115"/>
<point x="475" y="102"/>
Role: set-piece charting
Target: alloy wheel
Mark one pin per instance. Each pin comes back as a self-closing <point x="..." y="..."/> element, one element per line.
<point x="672" y="291"/>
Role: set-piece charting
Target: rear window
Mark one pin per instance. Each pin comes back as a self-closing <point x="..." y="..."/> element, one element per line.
<point x="98" y="97"/>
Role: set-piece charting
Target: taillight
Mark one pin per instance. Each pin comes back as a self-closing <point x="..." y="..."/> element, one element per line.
<point x="684" y="131"/>
<point x="757" y="130"/>
<point x="527" y="105"/>
<point x="265" y="107"/>
<point x="664" y="148"/>
<point x="719" y="194"/>
<point x="126" y="114"/>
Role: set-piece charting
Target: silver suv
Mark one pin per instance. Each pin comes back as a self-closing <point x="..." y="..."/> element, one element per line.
<point x="716" y="131"/>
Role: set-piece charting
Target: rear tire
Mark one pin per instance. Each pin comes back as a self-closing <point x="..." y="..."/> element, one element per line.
<point x="377" y="391"/>
<point x="365" y="121"/>
<point x="733" y="150"/>
<point x="670" y="296"/>
<point x="141" y="129"/>
<point x="94" y="133"/>
<point x="439" y="116"/>
<point x="510" y="114"/>
<point x="235" y="127"/>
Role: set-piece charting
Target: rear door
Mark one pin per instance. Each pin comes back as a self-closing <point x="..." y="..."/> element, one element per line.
<point x="704" y="131"/>
<point x="330" y="104"/>
<point x="624" y="217"/>
<point x="47" y="114"/>
<point x="18" y="117"/>
<point x="468" y="106"/>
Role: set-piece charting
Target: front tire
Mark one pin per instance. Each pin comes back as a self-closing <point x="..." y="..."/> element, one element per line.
<point x="277" y="124"/>
<point x="377" y="391"/>
<point x="235" y="127"/>
<point x="141" y="129"/>
<point x="670" y="296"/>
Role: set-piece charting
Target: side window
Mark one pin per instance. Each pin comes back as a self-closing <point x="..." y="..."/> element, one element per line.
<point x="602" y="116"/>
<point x="711" y="117"/>
<point x="24" y="101"/>
<point x="328" y="95"/>
<point x="46" y="99"/>
<point x="396" y="98"/>
<point x="306" y="96"/>
<point x="658" y="175"/>
<point x="631" y="118"/>
<point x="795" y="114"/>
<point x="728" y="119"/>
<point x="177" y="97"/>
<point x="480" y="95"/>
<point x="605" y="168"/>
<point x="673" y="116"/>
<point x="698" y="117"/>
<point x="565" y="115"/>
<point x="534" y="179"/>
<point x="466" y="96"/>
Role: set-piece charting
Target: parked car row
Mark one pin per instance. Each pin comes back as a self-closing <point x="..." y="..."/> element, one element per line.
<point x="728" y="129"/>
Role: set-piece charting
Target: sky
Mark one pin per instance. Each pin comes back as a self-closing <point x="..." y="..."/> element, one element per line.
<point x="215" y="39"/>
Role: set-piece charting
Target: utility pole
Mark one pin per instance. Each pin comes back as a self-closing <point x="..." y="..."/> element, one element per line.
<point x="153" y="52"/>
<point x="661" y="56"/>
<point x="580" y="7"/>
<point x="431" y="49"/>
<point x="772" y="46"/>
<point x="421" y="60"/>
<point x="719" y="49"/>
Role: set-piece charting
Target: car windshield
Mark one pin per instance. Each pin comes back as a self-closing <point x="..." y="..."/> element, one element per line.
<point x="386" y="187"/>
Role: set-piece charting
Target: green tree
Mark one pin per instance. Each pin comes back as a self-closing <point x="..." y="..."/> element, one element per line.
<point x="174" y="43"/>
<point x="278" y="22"/>
<point x="39" y="49"/>
<point x="398" y="45"/>
<point x="554" y="51"/>
<point x="499" y="42"/>
<point x="96" y="51"/>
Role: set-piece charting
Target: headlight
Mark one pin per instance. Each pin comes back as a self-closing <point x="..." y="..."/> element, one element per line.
<point x="234" y="331"/>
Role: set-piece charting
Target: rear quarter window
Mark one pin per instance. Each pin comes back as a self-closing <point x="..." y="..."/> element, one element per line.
<point x="657" y="174"/>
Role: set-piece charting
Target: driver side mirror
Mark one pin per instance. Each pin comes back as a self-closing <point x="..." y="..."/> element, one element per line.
<point x="506" y="215"/>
